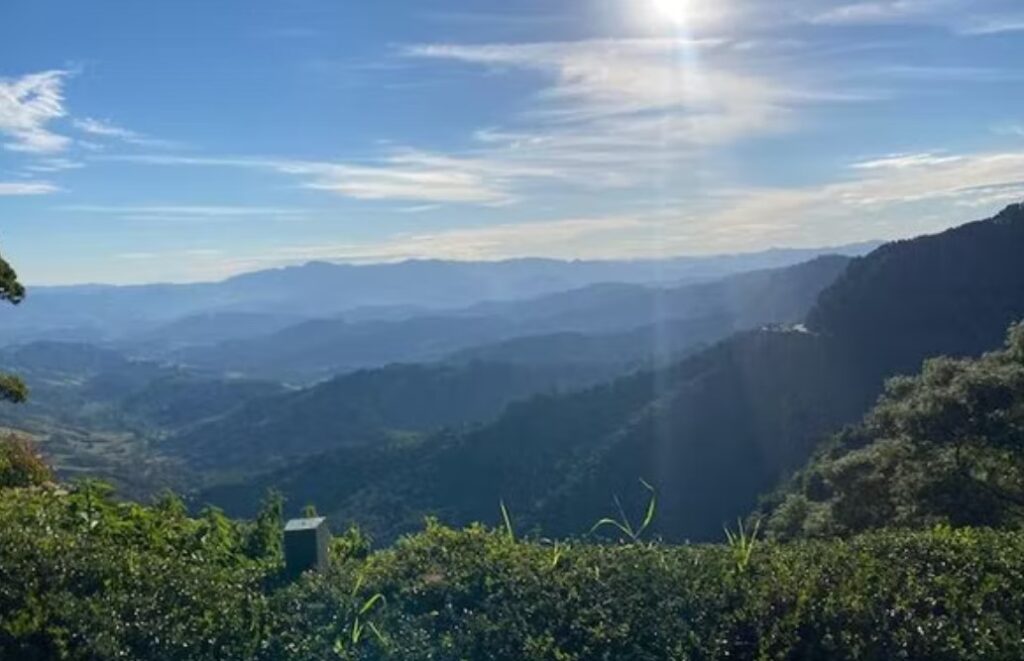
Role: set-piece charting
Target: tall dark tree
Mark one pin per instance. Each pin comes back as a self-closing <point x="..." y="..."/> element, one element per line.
<point x="12" y="388"/>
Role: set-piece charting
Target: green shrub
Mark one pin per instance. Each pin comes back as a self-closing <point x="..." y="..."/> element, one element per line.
<point x="20" y="464"/>
<point x="85" y="577"/>
<point x="477" y="594"/>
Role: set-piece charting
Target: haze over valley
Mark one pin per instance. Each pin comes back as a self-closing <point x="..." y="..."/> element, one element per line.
<point x="466" y="330"/>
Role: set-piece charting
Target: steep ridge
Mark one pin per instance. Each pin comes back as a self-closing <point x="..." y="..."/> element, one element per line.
<point x="366" y="407"/>
<point x="711" y="433"/>
<point x="951" y="293"/>
<point x="698" y="313"/>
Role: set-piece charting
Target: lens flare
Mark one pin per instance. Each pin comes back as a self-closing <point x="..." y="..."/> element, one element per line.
<point x="672" y="10"/>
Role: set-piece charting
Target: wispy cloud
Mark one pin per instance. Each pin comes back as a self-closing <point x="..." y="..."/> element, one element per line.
<point x="54" y="165"/>
<point x="994" y="25"/>
<point x="625" y="112"/>
<point x="180" y="212"/>
<point x="408" y="175"/>
<point x="502" y="20"/>
<point x="1011" y="129"/>
<point x="612" y="113"/>
<point x="28" y="105"/>
<point x="884" y="11"/>
<point x="195" y="254"/>
<point x="964" y="17"/>
<point x="871" y="204"/>
<point x="106" y="129"/>
<point x="888" y="197"/>
<point x="959" y="74"/>
<point x="574" y="237"/>
<point x="27" y="188"/>
<point x="403" y="174"/>
<point x="903" y="161"/>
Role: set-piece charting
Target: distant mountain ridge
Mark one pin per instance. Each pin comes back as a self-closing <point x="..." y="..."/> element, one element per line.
<point x="320" y="289"/>
<point x="711" y="433"/>
<point x="694" y="313"/>
<point x="344" y="410"/>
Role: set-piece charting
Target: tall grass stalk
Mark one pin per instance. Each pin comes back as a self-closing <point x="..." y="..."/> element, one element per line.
<point x="623" y="523"/>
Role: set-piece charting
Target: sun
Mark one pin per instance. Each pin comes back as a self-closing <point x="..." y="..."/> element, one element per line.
<point x="672" y="10"/>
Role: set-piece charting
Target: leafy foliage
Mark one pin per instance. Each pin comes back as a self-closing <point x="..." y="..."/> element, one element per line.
<point x="477" y="593"/>
<point x="85" y="577"/>
<point x="12" y="388"/>
<point x="20" y="464"/>
<point x="10" y="289"/>
<point x="623" y="524"/>
<point x="945" y="446"/>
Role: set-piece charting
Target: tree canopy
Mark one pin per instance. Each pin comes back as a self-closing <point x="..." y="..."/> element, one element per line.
<point x="12" y="388"/>
<point x="10" y="289"/>
<point x="943" y="447"/>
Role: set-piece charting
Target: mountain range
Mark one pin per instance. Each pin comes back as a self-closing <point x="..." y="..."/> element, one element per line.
<point x="556" y="397"/>
<point x="688" y="315"/>
<point x="710" y="433"/>
<point x="268" y="300"/>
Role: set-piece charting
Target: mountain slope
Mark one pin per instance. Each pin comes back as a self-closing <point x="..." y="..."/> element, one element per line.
<point x="951" y="293"/>
<point x="696" y="314"/>
<point x="711" y="433"/>
<point x="366" y="407"/>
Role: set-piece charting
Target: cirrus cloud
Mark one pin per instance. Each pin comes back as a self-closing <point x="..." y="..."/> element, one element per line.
<point x="28" y="105"/>
<point x="11" y="188"/>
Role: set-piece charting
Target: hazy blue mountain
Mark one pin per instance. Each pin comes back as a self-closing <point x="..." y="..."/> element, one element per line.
<point x="207" y="328"/>
<point x="640" y="347"/>
<point x="712" y="432"/>
<point x="694" y="314"/>
<point x="319" y="289"/>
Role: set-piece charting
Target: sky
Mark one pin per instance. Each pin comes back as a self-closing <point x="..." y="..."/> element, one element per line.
<point x="189" y="140"/>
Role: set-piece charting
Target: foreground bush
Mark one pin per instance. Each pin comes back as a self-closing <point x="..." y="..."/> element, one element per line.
<point x="20" y="464"/>
<point x="477" y="595"/>
<point x="83" y="577"/>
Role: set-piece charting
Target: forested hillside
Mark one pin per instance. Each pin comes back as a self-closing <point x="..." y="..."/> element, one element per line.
<point x="490" y="330"/>
<point x="711" y="434"/>
<point x="952" y="293"/>
<point x="942" y="447"/>
<point x="84" y="577"/>
<point x="366" y="408"/>
<point x="98" y="413"/>
<point x="685" y="448"/>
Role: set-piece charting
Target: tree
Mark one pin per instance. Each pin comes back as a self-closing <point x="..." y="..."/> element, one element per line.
<point x="20" y="465"/>
<point x="943" y="447"/>
<point x="12" y="389"/>
<point x="10" y="289"/>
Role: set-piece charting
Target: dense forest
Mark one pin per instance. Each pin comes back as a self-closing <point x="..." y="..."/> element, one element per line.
<point x="838" y="475"/>
<point x="712" y="432"/>
<point x="86" y="577"/>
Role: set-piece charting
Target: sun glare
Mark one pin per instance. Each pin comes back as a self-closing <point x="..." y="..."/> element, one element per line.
<point x="674" y="11"/>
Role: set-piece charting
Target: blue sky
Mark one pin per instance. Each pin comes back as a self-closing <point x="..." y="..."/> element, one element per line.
<point x="188" y="140"/>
